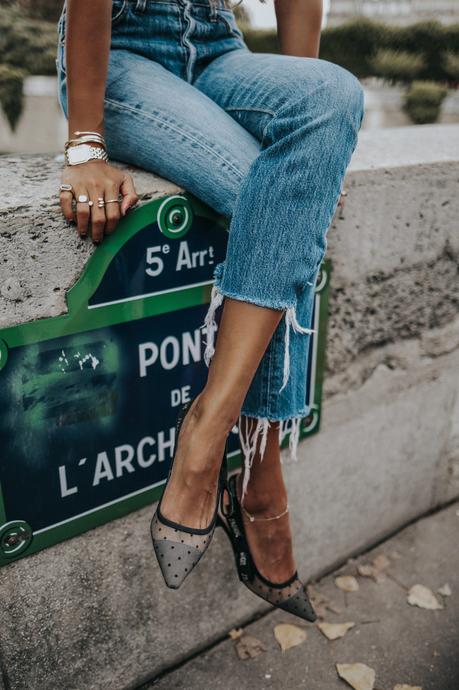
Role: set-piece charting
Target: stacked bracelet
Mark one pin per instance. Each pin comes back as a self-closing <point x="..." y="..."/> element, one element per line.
<point x="78" y="150"/>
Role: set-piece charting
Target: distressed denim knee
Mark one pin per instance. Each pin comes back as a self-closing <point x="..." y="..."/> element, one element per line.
<point x="287" y="200"/>
<point x="277" y="237"/>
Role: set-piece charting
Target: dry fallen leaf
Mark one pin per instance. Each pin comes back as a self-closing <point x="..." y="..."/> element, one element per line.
<point x="335" y="609"/>
<point x="318" y="601"/>
<point x="365" y="570"/>
<point x="407" y="687"/>
<point x="375" y="570"/>
<point x="423" y="597"/>
<point x="445" y="591"/>
<point x="248" y="647"/>
<point x="381" y="562"/>
<point x="235" y="633"/>
<point x="358" y="676"/>
<point x="333" y="631"/>
<point x="288" y="635"/>
<point x="321" y="603"/>
<point x="315" y="595"/>
<point x="347" y="583"/>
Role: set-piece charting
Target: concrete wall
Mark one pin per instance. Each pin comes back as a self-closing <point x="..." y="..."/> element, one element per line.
<point x="93" y="613"/>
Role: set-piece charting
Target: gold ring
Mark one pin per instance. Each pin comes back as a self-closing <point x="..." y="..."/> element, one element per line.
<point x="113" y="201"/>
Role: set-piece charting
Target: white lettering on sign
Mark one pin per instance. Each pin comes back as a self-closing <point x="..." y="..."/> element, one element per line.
<point x="103" y="469"/>
<point x="124" y="456"/>
<point x="191" y="347"/>
<point x="171" y="352"/>
<point x="155" y="263"/>
<point x="180" y="395"/>
<point x="148" y="354"/>
<point x="141" y="452"/>
<point x="186" y="259"/>
<point x="123" y="459"/>
<point x="163" y="444"/>
<point x="65" y="490"/>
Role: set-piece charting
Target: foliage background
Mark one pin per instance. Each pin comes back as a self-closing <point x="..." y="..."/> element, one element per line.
<point x="428" y="51"/>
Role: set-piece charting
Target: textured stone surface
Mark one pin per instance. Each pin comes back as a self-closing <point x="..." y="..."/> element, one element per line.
<point x="93" y="613"/>
<point x="40" y="257"/>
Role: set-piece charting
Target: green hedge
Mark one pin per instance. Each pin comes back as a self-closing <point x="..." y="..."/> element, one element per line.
<point x="423" y="101"/>
<point x="397" y="65"/>
<point x="356" y="44"/>
<point x="28" y="44"/>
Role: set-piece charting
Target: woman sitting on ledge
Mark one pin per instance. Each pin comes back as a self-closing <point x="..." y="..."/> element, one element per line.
<point x="265" y="139"/>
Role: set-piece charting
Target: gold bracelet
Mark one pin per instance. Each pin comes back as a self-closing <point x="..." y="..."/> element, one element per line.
<point x="87" y="139"/>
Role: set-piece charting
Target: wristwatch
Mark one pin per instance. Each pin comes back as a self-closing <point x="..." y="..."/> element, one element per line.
<point x="82" y="153"/>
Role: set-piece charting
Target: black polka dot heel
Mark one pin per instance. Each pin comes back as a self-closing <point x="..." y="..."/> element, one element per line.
<point x="291" y="595"/>
<point x="179" y="548"/>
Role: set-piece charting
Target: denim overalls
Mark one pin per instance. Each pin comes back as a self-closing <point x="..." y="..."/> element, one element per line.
<point x="264" y="139"/>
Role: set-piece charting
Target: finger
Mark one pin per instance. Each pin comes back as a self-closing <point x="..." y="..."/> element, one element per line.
<point x="66" y="199"/>
<point x="130" y="197"/>
<point x="112" y="209"/>
<point x="82" y="212"/>
<point x="98" y="219"/>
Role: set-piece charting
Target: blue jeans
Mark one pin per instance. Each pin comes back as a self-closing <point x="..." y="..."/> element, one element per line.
<point x="263" y="139"/>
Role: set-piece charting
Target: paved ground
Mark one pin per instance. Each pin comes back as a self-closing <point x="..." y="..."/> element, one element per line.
<point x="403" y="644"/>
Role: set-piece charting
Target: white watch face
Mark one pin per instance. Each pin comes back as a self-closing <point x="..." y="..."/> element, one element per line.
<point x="78" y="154"/>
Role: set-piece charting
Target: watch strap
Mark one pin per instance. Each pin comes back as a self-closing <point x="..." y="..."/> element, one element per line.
<point x="93" y="153"/>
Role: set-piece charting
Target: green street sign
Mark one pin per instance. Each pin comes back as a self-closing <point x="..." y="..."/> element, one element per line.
<point x="88" y="400"/>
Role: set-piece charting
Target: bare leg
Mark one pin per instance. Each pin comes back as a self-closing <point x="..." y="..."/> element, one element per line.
<point x="244" y="334"/>
<point x="270" y="542"/>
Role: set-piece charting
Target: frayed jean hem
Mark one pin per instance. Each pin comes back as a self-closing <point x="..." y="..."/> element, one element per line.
<point x="253" y="441"/>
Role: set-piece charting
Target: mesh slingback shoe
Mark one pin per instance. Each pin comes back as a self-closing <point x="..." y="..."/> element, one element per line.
<point x="178" y="548"/>
<point x="289" y="595"/>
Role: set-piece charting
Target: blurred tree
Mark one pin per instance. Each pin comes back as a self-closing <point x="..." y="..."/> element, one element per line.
<point x="242" y="15"/>
<point x="42" y="9"/>
<point x="11" y="80"/>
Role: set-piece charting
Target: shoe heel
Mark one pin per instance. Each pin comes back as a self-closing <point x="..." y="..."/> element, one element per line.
<point x="291" y="595"/>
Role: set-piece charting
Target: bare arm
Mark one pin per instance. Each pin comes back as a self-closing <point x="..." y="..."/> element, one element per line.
<point x="87" y="45"/>
<point x="298" y="26"/>
<point x="87" y="49"/>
